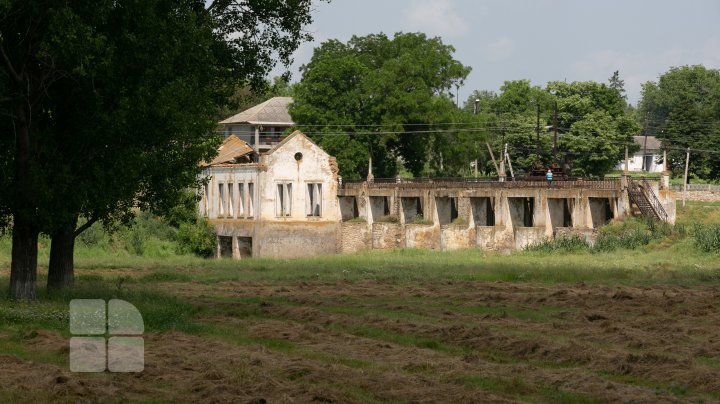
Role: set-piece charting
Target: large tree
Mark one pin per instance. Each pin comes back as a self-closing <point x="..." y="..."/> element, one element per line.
<point x="110" y="106"/>
<point x="591" y="118"/>
<point x="374" y="95"/>
<point x="683" y="109"/>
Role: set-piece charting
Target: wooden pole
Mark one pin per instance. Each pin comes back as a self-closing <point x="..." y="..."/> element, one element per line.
<point x="685" y="180"/>
<point x="626" y="161"/>
<point x="492" y="156"/>
<point x="507" y="157"/>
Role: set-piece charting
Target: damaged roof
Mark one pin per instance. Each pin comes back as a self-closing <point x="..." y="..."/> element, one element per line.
<point x="271" y="112"/>
<point x="230" y="150"/>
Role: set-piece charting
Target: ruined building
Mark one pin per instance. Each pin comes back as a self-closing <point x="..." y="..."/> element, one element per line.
<point x="289" y="202"/>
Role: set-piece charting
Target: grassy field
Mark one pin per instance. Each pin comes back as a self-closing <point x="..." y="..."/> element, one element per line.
<point x="393" y="326"/>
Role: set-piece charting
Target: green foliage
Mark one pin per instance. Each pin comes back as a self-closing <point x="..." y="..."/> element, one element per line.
<point x="114" y="102"/>
<point x="374" y="92"/>
<point x="593" y="124"/>
<point x="683" y="109"/>
<point x="707" y="237"/>
<point x="197" y="238"/>
<point x="419" y="219"/>
<point x="628" y="234"/>
<point x="565" y="243"/>
<point x="388" y="219"/>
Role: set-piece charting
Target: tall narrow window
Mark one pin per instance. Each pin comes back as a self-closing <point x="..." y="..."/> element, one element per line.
<point x="241" y="200"/>
<point x="283" y="205"/>
<point x="230" y="200"/>
<point x="251" y="199"/>
<point x="204" y="202"/>
<point x="313" y="198"/>
<point x="221" y="199"/>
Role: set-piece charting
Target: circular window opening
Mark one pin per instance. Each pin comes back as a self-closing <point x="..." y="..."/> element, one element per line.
<point x="298" y="156"/>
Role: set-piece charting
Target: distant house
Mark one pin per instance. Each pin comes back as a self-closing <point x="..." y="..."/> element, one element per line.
<point x="647" y="158"/>
<point x="282" y="203"/>
<point x="261" y="126"/>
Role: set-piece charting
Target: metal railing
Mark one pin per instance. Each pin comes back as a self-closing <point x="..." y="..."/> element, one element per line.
<point x="653" y="200"/>
<point x="483" y="182"/>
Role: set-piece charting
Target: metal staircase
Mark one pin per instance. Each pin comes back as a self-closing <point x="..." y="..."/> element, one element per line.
<point x="642" y="195"/>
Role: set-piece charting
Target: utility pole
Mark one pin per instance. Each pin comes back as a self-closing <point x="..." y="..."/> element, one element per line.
<point x="457" y="95"/>
<point x="644" y="164"/>
<point x="475" y="112"/>
<point x="555" y="128"/>
<point x="685" y="180"/>
<point x="537" y="128"/>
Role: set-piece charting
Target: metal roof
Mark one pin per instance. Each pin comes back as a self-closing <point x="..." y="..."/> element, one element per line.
<point x="271" y="112"/>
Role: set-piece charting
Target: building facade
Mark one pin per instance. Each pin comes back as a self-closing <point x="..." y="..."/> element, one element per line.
<point x="283" y="204"/>
<point x="648" y="158"/>
<point x="262" y="126"/>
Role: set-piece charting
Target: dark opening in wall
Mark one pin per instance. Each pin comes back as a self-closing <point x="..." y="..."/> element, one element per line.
<point x="600" y="211"/>
<point x="560" y="212"/>
<point x="521" y="211"/>
<point x="379" y="207"/>
<point x="412" y="209"/>
<point x="483" y="211"/>
<point x="225" y="246"/>
<point x="245" y="247"/>
<point x="348" y="207"/>
<point x="447" y="209"/>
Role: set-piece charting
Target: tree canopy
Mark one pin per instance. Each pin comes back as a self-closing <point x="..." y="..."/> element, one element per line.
<point x="683" y="109"/>
<point x="111" y="105"/>
<point x="381" y="96"/>
<point x="592" y="121"/>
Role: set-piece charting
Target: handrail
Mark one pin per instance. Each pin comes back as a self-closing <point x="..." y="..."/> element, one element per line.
<point x="472" y="182"/>
<point x="654" y="201"/>
<point x="646" y="192"/>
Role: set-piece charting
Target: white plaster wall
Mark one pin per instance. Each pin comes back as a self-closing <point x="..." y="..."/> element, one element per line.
<point x="635" y="163"/>
<point x="314" y="167"/>
<point x="234" y="175"/>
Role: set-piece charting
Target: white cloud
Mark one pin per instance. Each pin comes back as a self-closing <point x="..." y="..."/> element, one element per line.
<point x="436" y="17"/>
<point x="639" y="67"/>
<point x="500" y="49"/>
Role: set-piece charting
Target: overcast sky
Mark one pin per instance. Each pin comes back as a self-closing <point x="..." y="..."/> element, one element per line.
<point x="540" y="40"/>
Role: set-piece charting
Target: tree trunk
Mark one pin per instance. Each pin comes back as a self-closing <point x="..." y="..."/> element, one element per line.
<point x="61" y="273"/>
<point x="23" y="270"/>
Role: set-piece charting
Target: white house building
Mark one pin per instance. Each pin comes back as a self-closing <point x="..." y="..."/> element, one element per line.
<point x="647" y="158"/>
<point x="280" y="203"/>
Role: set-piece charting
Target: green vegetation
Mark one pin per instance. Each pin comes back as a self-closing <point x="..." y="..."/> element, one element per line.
<point x="468" y="321"/>
<point x="420" y="219"/>
<point x="682" y="108"/>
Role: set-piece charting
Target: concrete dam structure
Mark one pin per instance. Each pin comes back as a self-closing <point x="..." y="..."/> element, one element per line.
<point x="462" y="213"/>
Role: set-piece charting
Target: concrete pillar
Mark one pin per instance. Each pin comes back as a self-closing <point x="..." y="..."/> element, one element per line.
<point x="257" y="139"/>
<point x="235" y="248"/>
<point x="585" y="214"/>
<point x="665" y="179"/>
<point x="218" y="251"/>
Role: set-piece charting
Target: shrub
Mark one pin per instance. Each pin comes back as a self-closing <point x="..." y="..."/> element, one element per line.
<point x="196" y="238"/>
<point x="357" y="220"/>
<point x="707" y="237"/>
<point x="419" y="219"/>
<point x="389" y="219"/>
<point x="565" y="243"/>
<point x="460" y="221"/>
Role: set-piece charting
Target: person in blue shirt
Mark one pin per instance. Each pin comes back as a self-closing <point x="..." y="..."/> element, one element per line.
<point x="548" y="175"/>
